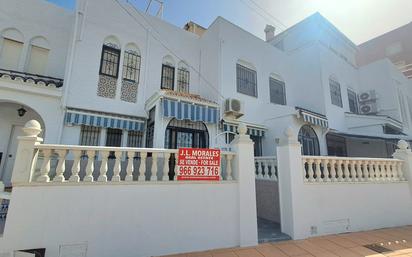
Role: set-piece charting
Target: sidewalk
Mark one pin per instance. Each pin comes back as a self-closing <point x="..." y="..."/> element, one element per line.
<point x="385" y="242"/>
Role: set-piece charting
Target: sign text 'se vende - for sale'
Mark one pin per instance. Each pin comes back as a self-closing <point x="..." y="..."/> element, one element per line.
<point x="198" y="164"/>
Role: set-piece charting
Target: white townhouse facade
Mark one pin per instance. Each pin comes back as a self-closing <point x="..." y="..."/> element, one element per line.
<point x="108" y="75"/>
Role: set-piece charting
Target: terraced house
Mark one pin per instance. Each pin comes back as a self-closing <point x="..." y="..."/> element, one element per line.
<point x="126" y="79"/>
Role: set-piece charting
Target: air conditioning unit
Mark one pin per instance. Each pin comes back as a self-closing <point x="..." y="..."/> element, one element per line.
<point x="367" y="96"/>
<point x="368" y="108"/>
<point x="234" y="107"/>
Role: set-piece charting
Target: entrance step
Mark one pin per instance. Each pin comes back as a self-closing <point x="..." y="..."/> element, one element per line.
<point x="269" y="231"/>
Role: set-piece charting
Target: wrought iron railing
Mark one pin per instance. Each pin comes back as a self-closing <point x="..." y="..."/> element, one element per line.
<point x="31" y="78"/>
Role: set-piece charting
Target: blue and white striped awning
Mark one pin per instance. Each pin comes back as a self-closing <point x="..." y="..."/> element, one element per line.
<point x="189" y="111"/>
<point x="313" y="118"/>
<point x="78" y="118"/>
<point x="253" y="131"/>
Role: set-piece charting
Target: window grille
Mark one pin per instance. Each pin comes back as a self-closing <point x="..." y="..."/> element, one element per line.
<point x="114" y="137"/>
<point x="353" y="101"/>
<point x="150" y="128"/>
<point x="109" y="63"/>
<point x="246" y="80"/>
<point x="89" y="135"/>
<point x="335" y="93"/>
<point x="134" y="139"/>
<point x="277" y="91"/>
<point x="183" y="78"/>
<point x="168" y="77"/>
<point x="131" y="66"/>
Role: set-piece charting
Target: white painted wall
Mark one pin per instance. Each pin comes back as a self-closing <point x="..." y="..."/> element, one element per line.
<point x="327" y="208"/>
<point x="124" y="220"/>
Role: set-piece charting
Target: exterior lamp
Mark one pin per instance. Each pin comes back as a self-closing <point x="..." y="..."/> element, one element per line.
<point x="21" y="112"/>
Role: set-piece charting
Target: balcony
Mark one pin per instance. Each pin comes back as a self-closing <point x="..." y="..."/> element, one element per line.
<point x="31" y="78"/>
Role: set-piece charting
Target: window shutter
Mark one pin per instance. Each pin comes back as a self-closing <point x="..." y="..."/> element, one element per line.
<point x="38" y="60"/>
<point x="10" y="54"/>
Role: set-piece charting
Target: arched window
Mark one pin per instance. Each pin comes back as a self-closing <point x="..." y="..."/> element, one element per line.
<point x="11" y="45"/>
<point x="183" y="133"/>
<point x="246" y="79"/>
<point x="130" y="73"/>
<point x="277" y="90"/>
<point x="110" y="58"/>
<point x="183" y="78"/>
<point x="109" y="68"/>
<point x="168" y="73"/>
<point x="131" y="63"/>
<point x="310" y="143"/>
<point x="335" y="92"/>
<point x="39" y="55"/>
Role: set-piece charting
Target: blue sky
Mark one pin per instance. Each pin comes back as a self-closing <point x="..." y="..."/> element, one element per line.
<point x="360" y="20"/>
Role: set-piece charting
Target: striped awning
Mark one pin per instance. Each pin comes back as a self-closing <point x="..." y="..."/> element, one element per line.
<point x="189" y="111"/>
<point x="102" y="121"/>
<point x="253" y="131"/>
<point x="313" y="118"/>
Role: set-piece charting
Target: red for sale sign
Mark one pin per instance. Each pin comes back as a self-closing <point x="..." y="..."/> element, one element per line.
<point x="198" y="164"/>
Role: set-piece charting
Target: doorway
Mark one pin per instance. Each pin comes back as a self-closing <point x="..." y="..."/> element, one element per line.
<point x="10" y="155"/>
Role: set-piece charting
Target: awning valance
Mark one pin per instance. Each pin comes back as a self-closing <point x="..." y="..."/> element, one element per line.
<point x="253" y="131"/>
<point x="102" y="121"/>
<point x="313" y="118"/>
<point x="189" y="111"/>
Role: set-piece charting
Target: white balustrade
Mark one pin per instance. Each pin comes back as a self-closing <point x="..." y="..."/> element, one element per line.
<point x="93" y="164"/>
<point x="266" y="168"/>
<point x="328" y="169"/>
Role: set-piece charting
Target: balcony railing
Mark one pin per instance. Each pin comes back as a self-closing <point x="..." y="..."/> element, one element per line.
<point x="322" y="169"/>
<point x="266" y="168"/>
<point x="31" y="78"/>
<point x="72" y="163"/>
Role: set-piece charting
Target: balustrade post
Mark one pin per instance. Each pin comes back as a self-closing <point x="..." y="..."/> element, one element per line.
<point x="347" y="163"/>
<point x="311" y="173"/>
<point x="130" y="166"/>
<point x="395" y="176"/>
<point x="76" y="166"/>
<point x="365" y="171"/>
<point x="266" y="169"/>
<point x="273" y="169"/>
<point x="326" y="170"/>
<point x="89" y="166"/>
<point x="372" y="171"/>
<point x="26" y="154"/>
<point x="166" y="167"/>
<point x="103" y="167"/>
<point x="260" y="170"/>
<point x="333" y="169"/>
<point x="45" y="167"/>
<point x="153" y="176"/>
<point x="378" y="174"/>
<point x="229" y="167"/>
<point x="142" y="167"/>
<point x="117" y="166"/>
<point x="340" y="171"/>
<point x="305" y="171"/>
<point x="318" y="171"/>
<point x="358" y="176"/>
<point x="61" y="166"/>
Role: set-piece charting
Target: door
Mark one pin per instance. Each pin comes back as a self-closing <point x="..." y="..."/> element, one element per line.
<point x="11" y="154"/>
